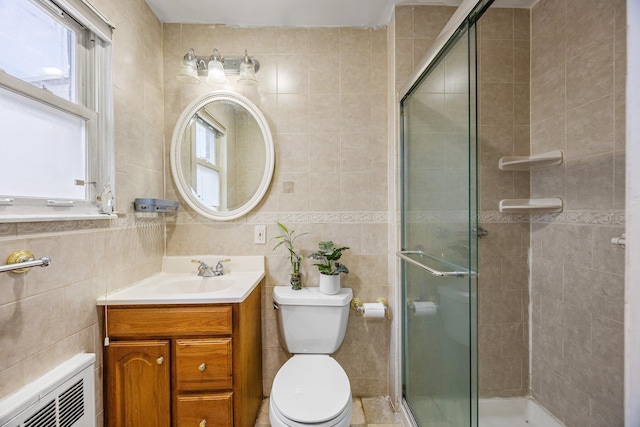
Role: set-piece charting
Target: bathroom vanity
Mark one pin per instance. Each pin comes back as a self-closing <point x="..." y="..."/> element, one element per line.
<point x="176" y="363"/>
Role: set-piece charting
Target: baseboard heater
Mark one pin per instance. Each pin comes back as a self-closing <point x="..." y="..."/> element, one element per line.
<point x="64" y="397"/>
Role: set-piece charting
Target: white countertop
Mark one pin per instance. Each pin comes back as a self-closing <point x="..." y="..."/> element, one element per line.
<point x="179" y="283"/>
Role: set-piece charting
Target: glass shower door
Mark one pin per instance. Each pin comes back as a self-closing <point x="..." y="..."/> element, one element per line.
<point x="439" y="240"/>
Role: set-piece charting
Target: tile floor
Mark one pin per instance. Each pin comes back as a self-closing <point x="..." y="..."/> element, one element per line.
<point x="367" y="412"/>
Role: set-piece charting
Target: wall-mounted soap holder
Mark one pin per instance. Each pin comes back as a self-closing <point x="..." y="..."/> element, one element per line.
<point x="156" y="205"/>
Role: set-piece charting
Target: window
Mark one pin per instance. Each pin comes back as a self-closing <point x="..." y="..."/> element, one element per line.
<point x="55" y="94"/>
<point x="209" y="171"/>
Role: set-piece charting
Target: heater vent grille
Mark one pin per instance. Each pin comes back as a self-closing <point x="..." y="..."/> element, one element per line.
<point x="45" y="417"/>
<point x="62" y="398"/>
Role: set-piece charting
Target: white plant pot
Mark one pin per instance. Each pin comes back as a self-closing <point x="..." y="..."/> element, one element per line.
<point x="329" y="283"/>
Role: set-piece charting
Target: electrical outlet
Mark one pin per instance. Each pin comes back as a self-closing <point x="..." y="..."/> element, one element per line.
<point x="260" y="235"/>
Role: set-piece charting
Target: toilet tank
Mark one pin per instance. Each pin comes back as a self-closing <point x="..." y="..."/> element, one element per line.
<point x="310" y="321"/>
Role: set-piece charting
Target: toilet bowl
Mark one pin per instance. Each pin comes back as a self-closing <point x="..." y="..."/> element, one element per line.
<point x="454" y="306"/>
<point x="311" y="388"/>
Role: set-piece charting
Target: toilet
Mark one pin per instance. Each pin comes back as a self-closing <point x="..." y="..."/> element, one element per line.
<point x="454" y="306"/>
<point x="311" y="388"/>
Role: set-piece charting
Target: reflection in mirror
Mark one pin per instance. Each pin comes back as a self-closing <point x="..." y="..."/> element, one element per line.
<point x="222" y="155"/>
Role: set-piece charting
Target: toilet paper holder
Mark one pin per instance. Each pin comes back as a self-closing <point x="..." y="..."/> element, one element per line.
<point x="358" y="305"/>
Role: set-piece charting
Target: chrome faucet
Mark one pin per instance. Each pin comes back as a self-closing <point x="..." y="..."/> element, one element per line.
<point x="205" y="270"/>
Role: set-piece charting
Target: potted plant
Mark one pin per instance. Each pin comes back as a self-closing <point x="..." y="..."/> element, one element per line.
<point x="287" y="239"/>
<point x="329" y="267"/>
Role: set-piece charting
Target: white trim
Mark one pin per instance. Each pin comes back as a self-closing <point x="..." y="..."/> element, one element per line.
<point x="89" y="16"/>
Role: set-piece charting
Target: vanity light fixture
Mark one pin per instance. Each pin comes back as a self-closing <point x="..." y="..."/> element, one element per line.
<point x="215" y="68"/>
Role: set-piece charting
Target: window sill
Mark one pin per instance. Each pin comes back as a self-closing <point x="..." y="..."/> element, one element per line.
<point x="13" y="218"/>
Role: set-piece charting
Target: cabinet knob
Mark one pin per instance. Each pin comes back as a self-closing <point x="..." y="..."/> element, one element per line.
<point x="202" y="367"/>
<point x="203" y="423"/>
<point x="160" y="360"/>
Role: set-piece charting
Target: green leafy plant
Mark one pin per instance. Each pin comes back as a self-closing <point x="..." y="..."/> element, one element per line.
<point x="287" y="240"/>
<point x="328" y="255"/>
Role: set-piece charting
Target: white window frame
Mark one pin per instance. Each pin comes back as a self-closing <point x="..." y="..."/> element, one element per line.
<point x="95" y="71"/>
<point x="221" y="155"/>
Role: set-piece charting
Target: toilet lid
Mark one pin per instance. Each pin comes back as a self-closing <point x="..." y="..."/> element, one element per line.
<point x="311" y="388"/>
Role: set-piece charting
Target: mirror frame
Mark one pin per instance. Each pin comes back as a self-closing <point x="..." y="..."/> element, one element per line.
<point x="176" y="143"/>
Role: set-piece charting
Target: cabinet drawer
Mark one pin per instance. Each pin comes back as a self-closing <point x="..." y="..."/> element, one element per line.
<point x="203" y="364"/>
<point x="210" y="410"/>
<point x="138" y="322"/>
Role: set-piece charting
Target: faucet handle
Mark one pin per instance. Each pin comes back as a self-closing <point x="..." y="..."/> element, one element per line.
<point x="224" y="260"/>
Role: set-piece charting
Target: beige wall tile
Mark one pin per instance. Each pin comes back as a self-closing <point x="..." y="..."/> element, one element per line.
<point x="548" y="49"/>
<point x="324" y="75"/>
<point x="404" y="21"/>
<point x="355" y="74"/>
<point x="354" y="41"/>
<point x="548" y="95"/>
<point x="589" y="22"/>
<point x="588" y="373"/>
<point x="497" y="24"/>
<point x="324" y="149"/>
<point x="496" y="104"/>
<point x="324" y="40"/>
<point x="293" y="41"/>
<point x="293" y="74"/>
<point x="586" y="190"/>
<point x="590" y="128"/>
<point x="521" y="62"/>
<point x="521" y="24"/>
<point x="548" y="135"/>
<point x="590" y="74"/>
<point x="497" y="60"/>
<point x="544" y="13"/>
<point x="429" y="21"/>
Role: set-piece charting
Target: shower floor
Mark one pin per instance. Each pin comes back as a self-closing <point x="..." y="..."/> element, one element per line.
<point x="514" y="412"/>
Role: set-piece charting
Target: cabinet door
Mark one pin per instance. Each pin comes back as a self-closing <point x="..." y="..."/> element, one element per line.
<point x="208" y="410"/>
<point x="138" y="384"/>
<point x="203" y="364"/>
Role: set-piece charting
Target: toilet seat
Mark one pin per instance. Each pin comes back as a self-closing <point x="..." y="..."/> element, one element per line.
<point x="311" y="389"/>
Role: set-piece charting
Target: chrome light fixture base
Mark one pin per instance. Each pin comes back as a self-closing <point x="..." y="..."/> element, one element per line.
<point x="231" y="65"/>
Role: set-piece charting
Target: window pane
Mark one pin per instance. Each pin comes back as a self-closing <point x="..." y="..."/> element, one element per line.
<point x="205" y="142"/>
<point x="54" y="143"/>
<point x="208" y="188"/>
<point x="37" y="48"/>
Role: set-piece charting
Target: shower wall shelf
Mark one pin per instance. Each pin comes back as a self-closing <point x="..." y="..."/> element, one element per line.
<point x="553" y="204"/>
<point x="529" y="163"/>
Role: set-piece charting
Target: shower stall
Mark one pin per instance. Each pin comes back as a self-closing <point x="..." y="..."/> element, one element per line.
<point x="523" y="326"/>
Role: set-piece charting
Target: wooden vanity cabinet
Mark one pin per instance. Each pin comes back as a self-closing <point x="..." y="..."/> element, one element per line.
<point x="184" y="365"/>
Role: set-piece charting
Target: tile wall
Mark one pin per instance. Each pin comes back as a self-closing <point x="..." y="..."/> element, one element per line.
<point x="578" y="105"/>
<point x="323" y="92"/>
<point x="503" y="285"/>
<point x="49" y="314"/>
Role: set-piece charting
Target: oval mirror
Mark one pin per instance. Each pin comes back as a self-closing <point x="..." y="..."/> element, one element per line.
<point x="222" y="155"/>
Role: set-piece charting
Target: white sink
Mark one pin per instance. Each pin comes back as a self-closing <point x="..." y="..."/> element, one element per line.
<point x="180" y="284"/>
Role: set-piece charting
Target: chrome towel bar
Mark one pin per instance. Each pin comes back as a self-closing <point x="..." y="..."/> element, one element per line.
<point x="457" y="271"/>
<point x="22" y="261"/>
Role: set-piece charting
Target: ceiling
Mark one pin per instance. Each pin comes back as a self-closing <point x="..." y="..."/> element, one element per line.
<point x="292" y="13"/>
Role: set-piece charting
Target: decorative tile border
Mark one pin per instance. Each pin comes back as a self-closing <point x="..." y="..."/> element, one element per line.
<point x="568" y="217"/>
<point x="292" y="218"/>
<point x="153" y="220"/>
